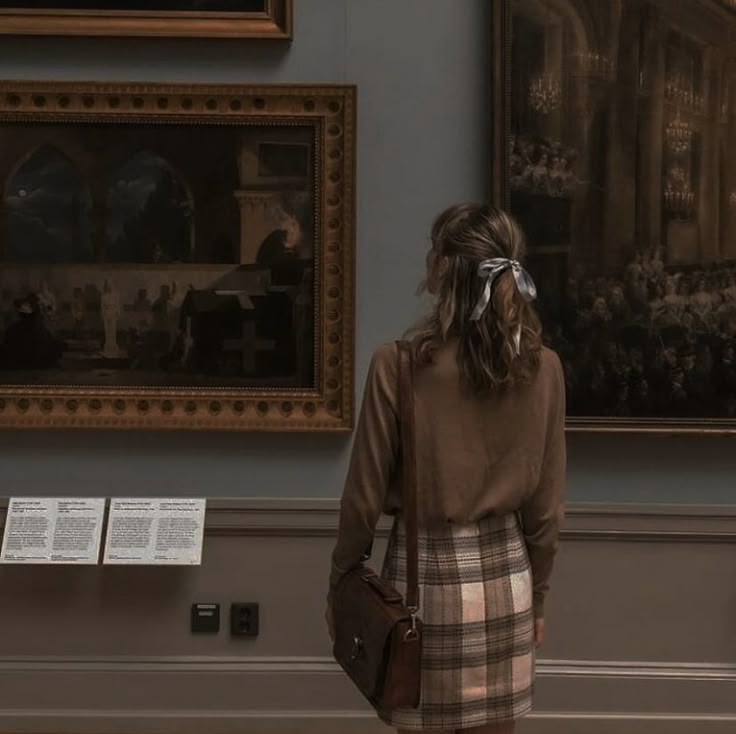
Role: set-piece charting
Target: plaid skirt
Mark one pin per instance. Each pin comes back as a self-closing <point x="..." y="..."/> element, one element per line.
<point x="476" y="605"/>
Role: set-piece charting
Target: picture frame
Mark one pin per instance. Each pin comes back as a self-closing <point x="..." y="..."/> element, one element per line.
<point x="610" y="129"/>
<point x="265" y="19"/>
<point x="177" y="256"/>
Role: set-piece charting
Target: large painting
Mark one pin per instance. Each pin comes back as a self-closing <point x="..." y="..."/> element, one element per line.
<point x="176" y="257"/>
<point x="228" y="18"/>
<point x="614" y="146"/>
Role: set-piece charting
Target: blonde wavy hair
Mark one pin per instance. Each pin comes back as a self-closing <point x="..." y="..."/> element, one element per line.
<point x="463" y="236"/>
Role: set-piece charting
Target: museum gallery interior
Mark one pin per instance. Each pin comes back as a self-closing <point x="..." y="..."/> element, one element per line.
<point x="212" y="214"/>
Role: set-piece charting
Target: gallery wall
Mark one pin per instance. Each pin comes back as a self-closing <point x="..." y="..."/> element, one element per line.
<point x="421" y="67"/>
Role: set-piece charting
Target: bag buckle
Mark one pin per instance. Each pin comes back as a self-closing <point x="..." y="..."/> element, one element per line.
<point x="357" y="648"/>
<point x="412" y="633"/>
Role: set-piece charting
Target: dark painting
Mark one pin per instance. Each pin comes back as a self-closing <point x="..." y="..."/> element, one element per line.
<point x="241" y="6"/>
<point x="621" y="171"/>
<point x="156" y="255"/>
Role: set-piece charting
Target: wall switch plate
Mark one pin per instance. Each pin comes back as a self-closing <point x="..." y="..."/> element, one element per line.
<point x="244" y="619"/>
<point x="205" y="618"/>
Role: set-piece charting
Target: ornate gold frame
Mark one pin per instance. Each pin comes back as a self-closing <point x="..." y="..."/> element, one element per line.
<point x="276" y="22"/>
<point x="328" y="407"/>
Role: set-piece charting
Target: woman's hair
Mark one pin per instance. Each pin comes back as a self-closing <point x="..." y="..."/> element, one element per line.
<point x="463" y="236"/>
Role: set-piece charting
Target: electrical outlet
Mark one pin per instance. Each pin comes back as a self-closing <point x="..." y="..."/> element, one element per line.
<point x="205" y="618"/>
<point x="244" y="619"/>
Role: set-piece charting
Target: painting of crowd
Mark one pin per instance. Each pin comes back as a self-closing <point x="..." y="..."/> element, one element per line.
<point x="169" y="327"/>
<point x="541" y="166"/>
<point x="45" y="326"/>
<point x="655" y="341"/>
<point x="619" y="168"/>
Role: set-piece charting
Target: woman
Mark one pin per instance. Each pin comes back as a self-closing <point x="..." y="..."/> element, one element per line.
<point x="490" y="415"/>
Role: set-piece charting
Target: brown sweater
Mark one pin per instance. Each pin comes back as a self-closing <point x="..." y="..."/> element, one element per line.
<point x="476" y="456"/>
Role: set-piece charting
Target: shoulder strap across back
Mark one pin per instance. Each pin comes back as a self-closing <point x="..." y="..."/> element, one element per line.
<point x="409" y="466"/>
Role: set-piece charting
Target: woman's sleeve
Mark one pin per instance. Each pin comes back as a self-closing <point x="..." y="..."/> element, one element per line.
<point x="542" y="513"/>
<point x="372" y="463"/>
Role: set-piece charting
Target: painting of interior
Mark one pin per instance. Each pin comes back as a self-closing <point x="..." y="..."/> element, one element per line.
<point x="620" y="167"/>
<point x="187" y="252"/>
<point x="157" y="255"/>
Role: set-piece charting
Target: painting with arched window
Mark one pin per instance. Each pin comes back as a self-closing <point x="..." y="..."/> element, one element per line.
<point x="46" y="206"/>
<point x="150" y="213"/>
<point x="179" y="245"/>
<point x="619" y="163"/>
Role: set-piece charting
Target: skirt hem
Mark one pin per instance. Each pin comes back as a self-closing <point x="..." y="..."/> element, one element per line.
<point x="468" y="722"/>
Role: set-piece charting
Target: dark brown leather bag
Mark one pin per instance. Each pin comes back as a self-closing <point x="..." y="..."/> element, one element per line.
<point x="378" y="636"/>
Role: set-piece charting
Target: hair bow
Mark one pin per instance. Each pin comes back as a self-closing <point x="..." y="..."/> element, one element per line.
<point x="489" y="270"/>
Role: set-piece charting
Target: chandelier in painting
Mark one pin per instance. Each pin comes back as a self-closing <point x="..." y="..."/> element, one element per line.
<point x="678" y="134"/>
<point x="545" y="94"/>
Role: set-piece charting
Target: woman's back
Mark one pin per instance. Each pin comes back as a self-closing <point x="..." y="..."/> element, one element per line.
<point x="476" y="455"/>
<point x="481" y="455"/>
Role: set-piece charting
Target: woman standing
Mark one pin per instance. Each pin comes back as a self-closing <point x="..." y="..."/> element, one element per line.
<point x="490" y="415"/>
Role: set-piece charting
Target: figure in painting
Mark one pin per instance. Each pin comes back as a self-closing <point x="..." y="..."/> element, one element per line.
<point x="282" y="244"/>
<point x="47" y="304"/>
<point x="110" y="308"/>
<point x="28" y="342"/>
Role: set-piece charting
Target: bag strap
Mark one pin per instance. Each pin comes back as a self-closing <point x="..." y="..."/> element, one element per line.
<point x="409" y="467"/>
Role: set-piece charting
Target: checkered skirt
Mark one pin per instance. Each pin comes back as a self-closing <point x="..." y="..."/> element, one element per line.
<point x="476" y="605"/>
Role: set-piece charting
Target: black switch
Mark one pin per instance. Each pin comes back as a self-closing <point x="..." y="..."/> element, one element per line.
<point x="244" y="619"/>
<point x="206" y="618"/>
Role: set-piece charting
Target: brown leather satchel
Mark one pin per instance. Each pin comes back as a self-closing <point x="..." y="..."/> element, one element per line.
<point x="378" y="636"/>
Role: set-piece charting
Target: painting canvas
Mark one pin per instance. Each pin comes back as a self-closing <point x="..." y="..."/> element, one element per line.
<point x="618" y="161"/>
<point x="255" y="18"/>
<point x="164" y="252"/>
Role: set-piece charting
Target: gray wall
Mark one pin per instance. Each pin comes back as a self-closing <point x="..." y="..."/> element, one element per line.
<point x="108" y="650"/>
<point x="421" y="67"/>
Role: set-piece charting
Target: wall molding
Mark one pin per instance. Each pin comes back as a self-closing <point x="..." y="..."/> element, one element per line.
<point x="584" y="521"/>
<point x="175" y="664"/>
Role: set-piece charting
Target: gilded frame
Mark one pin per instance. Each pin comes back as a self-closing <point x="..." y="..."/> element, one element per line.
<point x="275" y="23"/>
<point x="328" y="406"/>
<point x="501" y="92"/>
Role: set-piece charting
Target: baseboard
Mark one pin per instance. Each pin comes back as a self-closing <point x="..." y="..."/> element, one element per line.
<point x="555" y="723"/>
<point x="312" y="696"/>
<point x="340" y="722"/>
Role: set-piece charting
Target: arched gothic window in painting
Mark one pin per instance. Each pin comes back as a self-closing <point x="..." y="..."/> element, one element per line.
<point x="46" y="209"/>
<point x="149" y="213"/>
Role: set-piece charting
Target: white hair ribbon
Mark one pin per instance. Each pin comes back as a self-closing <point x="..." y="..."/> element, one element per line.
<point x="489" y="270"/>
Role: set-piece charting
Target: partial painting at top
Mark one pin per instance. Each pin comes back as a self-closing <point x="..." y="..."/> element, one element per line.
<point x="242" y="6"/>
<point x="621" y="169"/>
<point x="155" y="255"/>
<point x="226" y="18"/>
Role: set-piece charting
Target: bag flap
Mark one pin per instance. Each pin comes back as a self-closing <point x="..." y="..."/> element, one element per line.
<point x="365" y="610"/>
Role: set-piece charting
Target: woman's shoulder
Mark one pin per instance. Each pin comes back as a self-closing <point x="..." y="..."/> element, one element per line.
<point x="385" y="359"/>
<point x="550" y="365"/>
<point x="551" y="377"/>
<point x="550" y="359"/>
